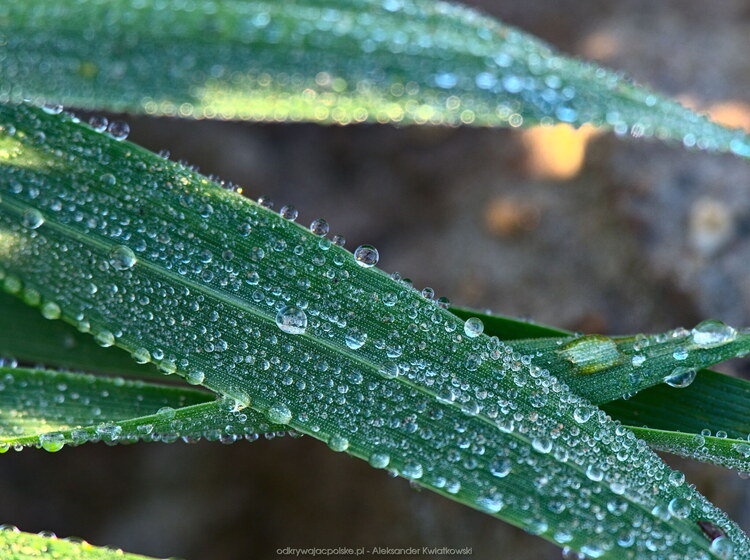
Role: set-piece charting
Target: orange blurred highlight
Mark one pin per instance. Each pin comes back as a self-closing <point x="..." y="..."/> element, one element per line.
<point x="556" y="152"/>
<point x="505" y="217"/>
<point x="734" y="114"/>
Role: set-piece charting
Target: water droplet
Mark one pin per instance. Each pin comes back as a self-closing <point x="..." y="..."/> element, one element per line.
<point x="52" y="441"/>
<point x="594" y="473"/>
<point x="119" y="130"/>
<point x="51" y="310"/>
<point x="339" y="240"/>
<point x="713" y="333"/>
<point x="680" y="353"/>
<point x="291" y="320"/>
<point x="355" y="339"/>
<point x="338" y="443"/>
<point x="412" y="470"/>
<point x="141" y="355"/>
<point x="681" y="376"/>
<point x="279" y="413"/>
<point x="473" y="327"/>
<point x="428" y="293"/>
<point x="366" y="256"/>
<point x="319" y="227"/>
<point x="195" y="377"/>
<point x="379" y="460"/>
<point x="500" y="467"/>
<point x="289" y="212"/>
<point x="582" y="414"/>
<point x="543" y="445"/>
<point x="638" y="360"/>
<point x="32" y="218"/>
<point x="122" y="258"/>
<point x="98" y="123"/>
<point x="265" y="201"/>
<point x="722" y="547"/>
<point x="679" y="508"/>
<point x="492" y="503"/>
<point x="105" y="339"/>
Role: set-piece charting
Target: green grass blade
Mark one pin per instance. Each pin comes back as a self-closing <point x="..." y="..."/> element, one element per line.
<point x="30" y="338"/>
<point x="57" y="408"/>
<point x="16" y="545"/>
<point x="603" y="369"/>
<point x="203" y="280"/>
<point x="727" y="452"/>
<point x="404" y="61"/>
<point x="508" y="328"/>
<point x="715" y="402"/>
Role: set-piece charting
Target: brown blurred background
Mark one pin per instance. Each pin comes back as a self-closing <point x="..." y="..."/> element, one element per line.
<point x="579" y="230"/>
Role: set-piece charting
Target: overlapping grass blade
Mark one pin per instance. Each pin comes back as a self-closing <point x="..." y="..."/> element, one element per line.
<point x="404" y="61"/>
<point x="53" y="409"/>
<point x="151" y="257"/>
<point x="17" y="545"/>
<point x="31" y="339"/>
<point x="714" y="402"/>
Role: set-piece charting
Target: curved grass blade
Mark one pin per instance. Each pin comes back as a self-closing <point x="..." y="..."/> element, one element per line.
<point x="30" y="338"/>
<point x="216" y="288"/>
<point x="402" y="61"/>
<point x="714" y="402"/>
<point x="16" y="545"/>
<point x="508" y="328"/>
<point x="603" y="369"/>
<point x="52" y="409"/>
<point x="724" y="451"/>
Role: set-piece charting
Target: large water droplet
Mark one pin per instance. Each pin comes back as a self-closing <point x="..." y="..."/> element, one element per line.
<point x="500" y="467"/>
<point x="473" y="327"/>
<point x="379" y="460"/>
<point x="338" y="443"/>
<point x="366" y="256"/>
<point x="713" y="333"/>
<point x="118" y="130"/>
<point x="355" y="339"/>
<point x="32" y="218"/>
<point x="279" y="414"/>
<point x="51" y="310"/>
<point x="319" y="227"/>
<point x="291" y="320"/>
<point x="681" y="376"/>
<point x="53" y="441"/>
<point x="722" y="547"/>
<point x="122" y="258"/>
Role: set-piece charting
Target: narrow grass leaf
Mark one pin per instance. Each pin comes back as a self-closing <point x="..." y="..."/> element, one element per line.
<point x="220" y="290"/>
<point x="51" y="409"/>
<point x="29" y="338"/>
<point x="401" y="61"/>
<point x="17" y="545"/>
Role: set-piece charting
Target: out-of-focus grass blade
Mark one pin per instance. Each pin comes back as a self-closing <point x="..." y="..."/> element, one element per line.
<point x="402" y="61"/>
<point x="223" y="291"/>
<point x="53" y="409"/>
<point x="25" y="335"/>
<point x="16" y="545"/>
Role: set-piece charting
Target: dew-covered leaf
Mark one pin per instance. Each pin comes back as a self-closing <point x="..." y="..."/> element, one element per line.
<point x="149" y="256"/>
<point x="52" y="409"/>
<point x="603" y="368"/>
<point x="17" y="545"/>
<point x="29" y="338"/>
<point x="401" y="61"/>
<point x="715" y="402"/>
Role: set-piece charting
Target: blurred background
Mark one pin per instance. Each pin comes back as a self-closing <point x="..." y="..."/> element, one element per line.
<point x="576" y="229"/>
